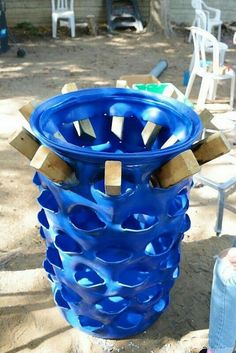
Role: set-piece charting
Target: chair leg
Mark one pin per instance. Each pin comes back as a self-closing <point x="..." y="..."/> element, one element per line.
<point x="219" y="33"/>
<point x="54" y="28"/>
<point x="232" y="89"/>
<point x="191" y="64"/>
<point x="190" y="34"/>
<point x="139" y="26"/>
<point x="190" y="37"/>
<point x="212" y="90"/>
<point x="222" y="56"/>
<point x="203" y="93"/>
<point x="209" y="28"/>
<point x="190" y="84"/>
<point x="220" y="212"/>
<point x="72" y="26"/>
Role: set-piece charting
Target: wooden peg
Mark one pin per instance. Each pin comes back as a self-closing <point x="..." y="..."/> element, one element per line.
<point x="87" y="127"/>
<point x="77" y="127"/>
<point x="59" y="136"/>
<point x="170" y="142"/>
<point x="69" y="87"/>
<point x="121" y="84"/>
<point x="117" y="126"/>
<point x="113" y="172"/>
<point x="84" y="127"/>
<point x="24" y="142"/>
<point x="179" y="168"/>
<point x="27" y="109"/>
<point x="150" y="132"/>
<point x="206" y="117"/>
<point x="210" y="148"/>
<point x="53" y="167"/>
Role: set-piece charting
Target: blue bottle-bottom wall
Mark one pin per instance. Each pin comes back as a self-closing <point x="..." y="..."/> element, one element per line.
<point x="111" y="272"/>
<point x="112" y="260"/>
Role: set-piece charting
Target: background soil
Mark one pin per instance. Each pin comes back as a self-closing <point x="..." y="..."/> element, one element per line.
<point x="29" y="320"/>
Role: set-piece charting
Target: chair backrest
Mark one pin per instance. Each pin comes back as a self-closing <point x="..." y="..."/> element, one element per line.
<point x="197" y="4"/>
<point x="202" y="41"/>
<point x="201" y="19"/>
<point x="60" y="5"/>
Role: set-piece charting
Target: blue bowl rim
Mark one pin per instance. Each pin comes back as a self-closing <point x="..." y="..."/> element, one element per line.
<point x="178" y="108"/>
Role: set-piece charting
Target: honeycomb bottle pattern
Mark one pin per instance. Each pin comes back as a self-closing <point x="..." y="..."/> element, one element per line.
<point x="112" y="260"/>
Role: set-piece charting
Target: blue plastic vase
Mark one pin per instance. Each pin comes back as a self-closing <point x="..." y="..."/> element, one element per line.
<point x="112" y="260"/>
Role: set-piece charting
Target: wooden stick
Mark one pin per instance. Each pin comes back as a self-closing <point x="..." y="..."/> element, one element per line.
<point x="84" y="126"/>
<point x="210" y="148"/>
<point x="117" y="126"/>
<point x="150" y="132"/>
<point x="59" y="136"/>
<point x="53" y="167"/>
<point x="27" y="109"/>
<point x="69" y="87"/>
<point x="179" y="168"/>
<point x="87" y="127"/>
<point x="77" y="127"/>
<point x="113" y="171"/>
<point x="170" y="142"/>
<point x="24" y="142"/>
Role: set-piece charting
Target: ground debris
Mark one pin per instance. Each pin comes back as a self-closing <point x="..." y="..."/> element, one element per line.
<point x="6" y="257"/>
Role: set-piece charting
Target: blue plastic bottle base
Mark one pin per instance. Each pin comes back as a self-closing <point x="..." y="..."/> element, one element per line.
<point x="112" y="260"/>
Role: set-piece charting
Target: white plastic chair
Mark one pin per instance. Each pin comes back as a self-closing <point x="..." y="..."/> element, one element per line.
<point x="202" y="39"/>
<point x="224" y="188"/>
<point x="201" y="22"/>
<point x="63" y="10"/>
<point x="213" y="17"/>
<point x="234" y="38"/>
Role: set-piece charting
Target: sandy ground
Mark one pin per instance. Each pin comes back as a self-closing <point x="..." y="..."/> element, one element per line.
<point x="29" y="320"/>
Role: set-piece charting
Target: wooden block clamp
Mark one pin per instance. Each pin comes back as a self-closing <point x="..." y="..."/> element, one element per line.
<point x="210" y="148"/>
<point x="52" y="166"/>
<point x="150" y="132"/>
<point x="69" y="87"/>
<point x="113" y="177"/>
<point x="24" y="142"/>
<point x="206" y="117"/>
<point x="27" y="109"/>
<point x="188" y="163"/>
<point x="179" y="168"/>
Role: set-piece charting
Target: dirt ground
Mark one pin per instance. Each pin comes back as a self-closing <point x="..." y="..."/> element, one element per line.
<point x="29" y="320"/>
